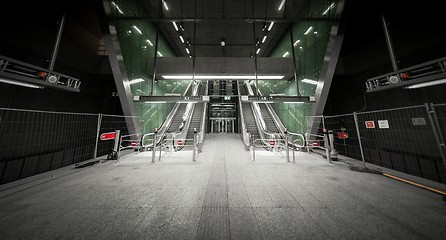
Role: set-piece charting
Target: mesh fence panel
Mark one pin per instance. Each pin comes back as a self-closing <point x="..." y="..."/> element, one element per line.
<point x="400" y="139"/>
<point x="33" y="142"/>
<point x="344" y="124"/>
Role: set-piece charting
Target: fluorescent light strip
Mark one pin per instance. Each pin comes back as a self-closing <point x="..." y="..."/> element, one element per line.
<point x="175" y="26"/>
<point x="426" y="84"/>
<point x="270" y="26"/>
<point x="137" y="80"/>
<point x="285" y="54"/>
<point x="148" y="41"/>
<point x="258" y="50"/>
<point x="187" y="77"/>
<point x="165" y="5"/>
<point x="18" y="83"/>
<point x="182" y="39"/>
<point x="308" y="30"/>
<point x="137" y="29"/>
<point x="187" y="50"/>
<point x="309" y="81"/>
<point x="281" y="5"/>
<point x="296" y="42"/>
<point x="159" y="53"/>
<point x="328" y="9"/>
<point x="293" y="102"/>
<point x="117" y="7"/>
<point x="264" y="39"/>
<point x="155" y="102"/>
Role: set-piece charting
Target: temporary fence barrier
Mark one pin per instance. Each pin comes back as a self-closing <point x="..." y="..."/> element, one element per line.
<point x="408" y="139"/>
<point x="33" y="142"/>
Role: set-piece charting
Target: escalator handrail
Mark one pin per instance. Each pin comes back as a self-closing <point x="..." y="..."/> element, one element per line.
<point x="276" y="119"/>
<point x="181" y="133"/>
<point x="245" y="133"/>
<point x="203" y="118"/>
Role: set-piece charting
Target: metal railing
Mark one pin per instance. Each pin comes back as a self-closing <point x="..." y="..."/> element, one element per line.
<point x="276" y="145"/>
<point x="246" y="136"/>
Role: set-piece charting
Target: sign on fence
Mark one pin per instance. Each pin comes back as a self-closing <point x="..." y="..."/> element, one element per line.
<point x="370" y="124"/>
<point x="383" y="124"/>
<point x="108" y="136"/>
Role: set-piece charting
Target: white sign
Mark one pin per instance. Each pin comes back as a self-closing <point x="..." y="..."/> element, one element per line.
<point x="418" y="121"/>
<point x="383" y="124"/>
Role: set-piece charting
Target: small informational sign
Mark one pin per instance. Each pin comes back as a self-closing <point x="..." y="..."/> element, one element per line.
<point x="272" y="142"/>
<point x="383" y="123"/>
<point x="180" y="142"/>
<point x="370" y="124"/>
<point x="419" y="121"/>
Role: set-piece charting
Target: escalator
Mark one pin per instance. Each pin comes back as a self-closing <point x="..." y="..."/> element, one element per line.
<point x="269" y="121"/>
<point x="197" y="116"/>
<point x="260" y="119"/>
<point x="177" y="119"/>
<point x="195" y="121"/>
<point x="250" y="122"/>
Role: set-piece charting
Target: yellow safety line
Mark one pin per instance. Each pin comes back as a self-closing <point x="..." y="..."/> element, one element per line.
<point x="416" y="184"/>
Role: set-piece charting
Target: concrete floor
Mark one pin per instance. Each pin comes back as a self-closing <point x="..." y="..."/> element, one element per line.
<point x="223" y="195"/>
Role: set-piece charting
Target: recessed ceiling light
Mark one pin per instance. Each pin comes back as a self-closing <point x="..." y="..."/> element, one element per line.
<point x="270" y="26"/>
<point x="175" y="26"/>
<point x="137" y="29"/>
<point x="308" y="30"/>
<point x="309" y="81"/>
<point x="281" y="5"/>
<point x="165" y="5"/>
<point x="187" y="77"/>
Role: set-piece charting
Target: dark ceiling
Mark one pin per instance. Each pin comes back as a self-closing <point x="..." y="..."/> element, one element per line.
<point x="207" y="23"/>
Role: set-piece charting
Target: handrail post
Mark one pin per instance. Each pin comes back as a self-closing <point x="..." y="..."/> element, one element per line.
<point x="253" y="145"/>
<point x="286" y="145"/>
<point x="154" y="145"/>
<point x="159" y="157"/>
<point x="194" y="147"/>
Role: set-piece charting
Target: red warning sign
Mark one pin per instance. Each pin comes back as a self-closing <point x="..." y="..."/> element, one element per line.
<point x="180" y="142"/>
<point x="342" y="135"/>
<point x="370" y="124"/>
<point x="315" y="144"/>
<point x="134" y="144"/>
<point x="271" y="142"/>
<point x="108" y="136"/>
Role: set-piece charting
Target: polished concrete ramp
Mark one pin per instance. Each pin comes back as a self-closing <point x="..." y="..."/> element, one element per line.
<point x="223" y="195"/>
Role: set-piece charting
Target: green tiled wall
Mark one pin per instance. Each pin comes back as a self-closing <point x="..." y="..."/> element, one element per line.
<point x="309" y="53"/>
